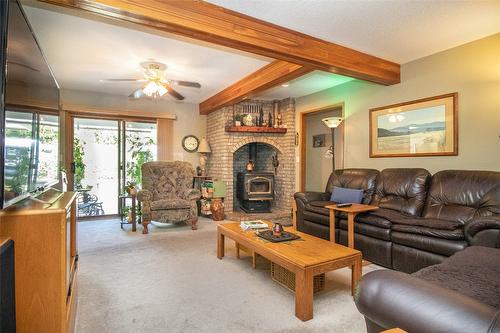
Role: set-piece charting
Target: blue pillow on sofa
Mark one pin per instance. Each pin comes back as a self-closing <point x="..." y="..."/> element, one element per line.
<point x="346" y="195"/>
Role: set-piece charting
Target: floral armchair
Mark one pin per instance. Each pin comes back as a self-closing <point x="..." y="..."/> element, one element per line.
<point x="167" y="195"/>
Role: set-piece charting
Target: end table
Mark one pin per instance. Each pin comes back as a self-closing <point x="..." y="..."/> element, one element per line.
<point x="351" y="211"/>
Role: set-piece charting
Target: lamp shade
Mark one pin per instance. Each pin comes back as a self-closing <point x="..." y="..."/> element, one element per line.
<point x="332" y="122"/>
<point x="204" y="146"/>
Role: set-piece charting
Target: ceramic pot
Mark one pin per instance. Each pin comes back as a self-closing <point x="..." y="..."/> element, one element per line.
<point x="277" y="229"/>
<point x="132" y="191"/>
<point x="217" y="209"/>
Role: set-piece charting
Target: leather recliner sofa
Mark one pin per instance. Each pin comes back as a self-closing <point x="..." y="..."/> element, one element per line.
<point x="457" y="295"/>
<point x="421" y="220"/>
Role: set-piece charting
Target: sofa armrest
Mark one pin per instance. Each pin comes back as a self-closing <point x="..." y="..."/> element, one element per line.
<point x="192" y="194"/>
<point x="312" y="196"/>
<point x="483" y="231"/>
<point x="394" y="299"/>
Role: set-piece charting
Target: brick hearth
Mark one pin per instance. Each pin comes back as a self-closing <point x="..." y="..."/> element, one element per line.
<point x="225" y="145"/>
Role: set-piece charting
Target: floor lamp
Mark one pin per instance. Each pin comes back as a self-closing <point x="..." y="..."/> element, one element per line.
<point x="332" y="123"/>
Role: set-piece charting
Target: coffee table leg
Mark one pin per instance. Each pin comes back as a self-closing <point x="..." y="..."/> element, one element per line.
<point x="220" y="245"/>
<point x="332" y="225"/>
<point x="237" y="245"/>
<point x="303" y="295"/>
<point x="356" y="272"/>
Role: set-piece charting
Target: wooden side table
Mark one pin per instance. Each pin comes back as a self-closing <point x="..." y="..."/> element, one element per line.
<point x="351" y="211"/>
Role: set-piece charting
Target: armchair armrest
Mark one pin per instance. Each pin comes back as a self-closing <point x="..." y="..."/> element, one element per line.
<point x="312" y="196"/>
<point x="483" y="231"/>
<point x="394" y="299"/>
<point x="144" y="195"/>
<point x="192" y="194"/>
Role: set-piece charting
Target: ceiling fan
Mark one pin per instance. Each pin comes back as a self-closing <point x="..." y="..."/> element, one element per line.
<point x="156" y="84"/>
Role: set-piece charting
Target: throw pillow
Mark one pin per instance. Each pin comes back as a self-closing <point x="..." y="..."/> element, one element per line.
<point x="346" y="195"/>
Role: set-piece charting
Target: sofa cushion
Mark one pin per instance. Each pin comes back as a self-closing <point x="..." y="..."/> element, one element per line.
<point x="445" y="247"/>
<point x="363" y="179"/>
<point x="347" y="195"/>
<point x="398" y="218"/>
<point x="473" y="272"/>
<point x="460" y="195"/>
<point x="367" y="229"/>
<point x="317" y="218"/>
<point x="402" y="190"/>
<point x="168" y="204"/>
<point x="456" y="234"/>
<point x="375" y="220"/>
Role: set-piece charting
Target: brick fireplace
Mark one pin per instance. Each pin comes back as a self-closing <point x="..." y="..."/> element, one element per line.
<point x="230" y="152"/>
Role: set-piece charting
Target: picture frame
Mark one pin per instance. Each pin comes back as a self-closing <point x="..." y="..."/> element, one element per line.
<point x="423" y="127"/>
<point x="319" y="140"/>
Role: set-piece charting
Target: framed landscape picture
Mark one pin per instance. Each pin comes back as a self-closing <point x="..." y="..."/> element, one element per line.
<point x="425" y="127"/>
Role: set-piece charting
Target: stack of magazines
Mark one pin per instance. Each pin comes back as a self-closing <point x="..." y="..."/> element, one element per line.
<point x="253" y="225"/>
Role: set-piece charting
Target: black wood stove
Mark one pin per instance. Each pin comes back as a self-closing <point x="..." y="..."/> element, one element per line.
<point x="255" y="191"/>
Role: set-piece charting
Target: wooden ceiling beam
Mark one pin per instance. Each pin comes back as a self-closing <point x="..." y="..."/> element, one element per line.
<point x="271" y="75"/>
<point x="207" y="22"/>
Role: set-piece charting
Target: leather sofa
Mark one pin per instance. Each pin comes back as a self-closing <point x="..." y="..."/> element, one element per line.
<point x="422" y="218"/>
<point x="460" y="295"/>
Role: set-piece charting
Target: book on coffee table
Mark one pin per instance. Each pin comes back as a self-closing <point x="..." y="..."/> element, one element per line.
<point x="257" y="224"/>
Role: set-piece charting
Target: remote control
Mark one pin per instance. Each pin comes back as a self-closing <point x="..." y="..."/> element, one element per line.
<point x="343" y="205"/>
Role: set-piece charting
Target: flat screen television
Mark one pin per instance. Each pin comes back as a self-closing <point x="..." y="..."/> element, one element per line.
<point x="30" y="113"/>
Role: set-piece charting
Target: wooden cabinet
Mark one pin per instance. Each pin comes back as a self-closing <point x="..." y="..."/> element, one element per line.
<point x="46" y="261"/>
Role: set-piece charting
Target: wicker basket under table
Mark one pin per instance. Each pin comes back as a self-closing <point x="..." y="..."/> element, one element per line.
<point x="287" y="279"/>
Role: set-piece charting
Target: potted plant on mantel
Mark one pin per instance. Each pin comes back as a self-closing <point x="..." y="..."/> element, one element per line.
<point x="237" y="119"/>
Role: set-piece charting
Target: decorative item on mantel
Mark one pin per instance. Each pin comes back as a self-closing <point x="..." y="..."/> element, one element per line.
<point x="251" y="118"/>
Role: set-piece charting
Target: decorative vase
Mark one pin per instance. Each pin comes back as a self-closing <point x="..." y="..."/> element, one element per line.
<point x="237" y="123"/>
<point x="132" y="191"/>
<point x="217" y="209"/>
<point x="277" y="229"/>
<point x="248" y="120"/>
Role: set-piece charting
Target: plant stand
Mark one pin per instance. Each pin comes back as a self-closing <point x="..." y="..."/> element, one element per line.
<point x="123" y="203"/>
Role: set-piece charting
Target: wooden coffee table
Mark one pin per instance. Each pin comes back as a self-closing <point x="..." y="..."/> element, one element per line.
<point x="351" y="211"/>
<point x="307" y="258"/>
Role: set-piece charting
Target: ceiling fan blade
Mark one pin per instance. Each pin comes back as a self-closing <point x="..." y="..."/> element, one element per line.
<point x="136" y="94"/>
<point x="185" y="83"/>
<point x="22" y="65"/>
<point x="172" y="92"/>
<point x="123" y="80"/>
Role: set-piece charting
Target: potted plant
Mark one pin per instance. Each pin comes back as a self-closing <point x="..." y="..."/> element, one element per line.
<point x="237" y="119"/>
<point x="131" y="188"/>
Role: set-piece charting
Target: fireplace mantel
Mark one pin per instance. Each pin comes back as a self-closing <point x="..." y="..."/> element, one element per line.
<point x="255" y="129"/>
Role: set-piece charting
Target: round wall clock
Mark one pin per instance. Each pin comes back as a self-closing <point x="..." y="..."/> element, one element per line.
<point x="190" y="143"/>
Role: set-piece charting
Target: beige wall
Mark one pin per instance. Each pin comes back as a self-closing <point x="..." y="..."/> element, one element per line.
<point x="187" y="119"/>
<point x="318" y="168"/>
<point x="472" y="70"/>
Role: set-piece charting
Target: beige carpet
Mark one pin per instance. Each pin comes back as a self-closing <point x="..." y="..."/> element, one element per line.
<point x="171" y="281"/>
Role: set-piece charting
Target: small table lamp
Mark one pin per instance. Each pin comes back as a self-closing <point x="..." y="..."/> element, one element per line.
<point x="204" y="150"/>
<point x="332" y="123"/>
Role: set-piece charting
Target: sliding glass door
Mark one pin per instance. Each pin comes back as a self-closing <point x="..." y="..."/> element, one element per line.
<point x="108" y="154"/>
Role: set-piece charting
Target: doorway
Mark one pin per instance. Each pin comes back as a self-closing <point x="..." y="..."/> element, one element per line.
<point x="107" y="154"/>
<point x="321" y="148"/>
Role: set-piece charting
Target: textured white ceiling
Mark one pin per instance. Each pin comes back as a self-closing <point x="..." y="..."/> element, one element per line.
<point x="396" y="30"/>
<point x="305" y="85"/>
<point x="82" y="51"/>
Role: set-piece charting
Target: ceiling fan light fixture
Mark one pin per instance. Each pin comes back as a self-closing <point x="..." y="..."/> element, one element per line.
<point x="161" y="89"/>
<point x="150" y="89"/>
